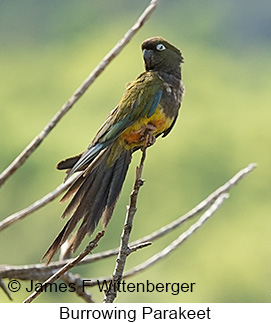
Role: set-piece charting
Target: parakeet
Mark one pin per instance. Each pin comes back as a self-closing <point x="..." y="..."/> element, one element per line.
<point x="150" y="103"/>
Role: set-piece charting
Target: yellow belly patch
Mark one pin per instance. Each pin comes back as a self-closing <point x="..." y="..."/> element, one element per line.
<point x="133" y="135"/>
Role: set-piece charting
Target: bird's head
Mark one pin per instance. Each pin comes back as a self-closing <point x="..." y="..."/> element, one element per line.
<point x="160" y="55"/>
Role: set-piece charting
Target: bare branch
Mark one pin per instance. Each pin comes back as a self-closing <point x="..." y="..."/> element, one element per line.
<point x="25" y="154"/>
<point x="93" y="244"/>
<point x="40" y="272"/>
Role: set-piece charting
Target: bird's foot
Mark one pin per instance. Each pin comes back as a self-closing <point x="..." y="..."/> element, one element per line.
<point x="148" y="138"/>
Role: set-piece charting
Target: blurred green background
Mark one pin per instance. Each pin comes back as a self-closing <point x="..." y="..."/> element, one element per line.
<point x="48" y="48"/>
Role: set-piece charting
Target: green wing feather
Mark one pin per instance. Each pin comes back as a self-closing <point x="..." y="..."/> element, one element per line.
<point x="140" y="99"/>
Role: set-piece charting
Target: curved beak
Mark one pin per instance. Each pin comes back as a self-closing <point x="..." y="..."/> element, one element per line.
<point x="147" y="55"/>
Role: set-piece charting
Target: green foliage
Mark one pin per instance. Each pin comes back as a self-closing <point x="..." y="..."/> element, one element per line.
<point x="224" y="125"/>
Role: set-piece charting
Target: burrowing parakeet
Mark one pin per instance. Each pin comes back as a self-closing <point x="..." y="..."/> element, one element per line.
<point x="150" y="104"/>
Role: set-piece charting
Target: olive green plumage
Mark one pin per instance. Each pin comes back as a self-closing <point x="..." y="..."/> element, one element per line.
<point x="151" y="102"/>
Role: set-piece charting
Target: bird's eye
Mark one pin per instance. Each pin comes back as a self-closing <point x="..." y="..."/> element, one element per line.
<point x="160" y="47"/>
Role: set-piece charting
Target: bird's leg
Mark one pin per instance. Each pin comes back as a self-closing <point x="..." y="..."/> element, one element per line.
<point x="148" y="137"/>
<point x="138" y="137"/>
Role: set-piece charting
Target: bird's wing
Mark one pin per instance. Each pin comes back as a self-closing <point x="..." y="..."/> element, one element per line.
<point x="140" y="99"/>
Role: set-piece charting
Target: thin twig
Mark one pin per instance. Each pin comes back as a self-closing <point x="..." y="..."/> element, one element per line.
<point x="111" y="293"/>
<point x="40" y="272"/>
<point x="139" y="246"/>
<point x="25" y="154"/>
<point x="93" y="244"/>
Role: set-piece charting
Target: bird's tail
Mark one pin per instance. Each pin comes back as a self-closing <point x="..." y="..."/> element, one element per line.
<point x="95" y="194"/>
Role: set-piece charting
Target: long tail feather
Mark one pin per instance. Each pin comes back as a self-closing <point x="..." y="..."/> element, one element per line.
<point x="68" y="163"/>
<point x="95" y="192"/>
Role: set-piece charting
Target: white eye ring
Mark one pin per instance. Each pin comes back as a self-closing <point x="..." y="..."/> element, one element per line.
<point x="160" y="47"/>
